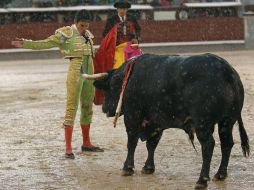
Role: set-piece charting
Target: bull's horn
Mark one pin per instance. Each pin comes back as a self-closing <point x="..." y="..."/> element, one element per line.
<point x="94" y="76"/>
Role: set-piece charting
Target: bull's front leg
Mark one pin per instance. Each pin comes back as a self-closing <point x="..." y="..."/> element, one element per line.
<point x="129" y="162"/>
<point x="151" y="145"/>
<point x="132" y="121"/>
<point x="207" y="142"/>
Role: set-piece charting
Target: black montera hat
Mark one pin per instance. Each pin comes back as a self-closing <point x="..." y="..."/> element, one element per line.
<point x="122" y="4"/>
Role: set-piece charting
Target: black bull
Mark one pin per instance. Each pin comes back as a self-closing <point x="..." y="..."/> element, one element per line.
<point x="192" y="93"/>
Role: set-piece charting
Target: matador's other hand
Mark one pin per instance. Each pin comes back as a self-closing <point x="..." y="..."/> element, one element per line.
<point x="134" y="41"/>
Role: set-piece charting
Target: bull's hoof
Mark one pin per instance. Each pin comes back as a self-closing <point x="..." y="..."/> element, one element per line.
<point x="146" y="170"/>
<point x="199" y="186"/>
<point x="202" y="183"/>
<point x="127" y="172"/>
<point x="219" y="176"/>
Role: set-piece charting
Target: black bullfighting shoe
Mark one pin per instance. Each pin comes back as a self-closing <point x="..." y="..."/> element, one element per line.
<point x="69" y="156"/>
<point x="91" y="149"/>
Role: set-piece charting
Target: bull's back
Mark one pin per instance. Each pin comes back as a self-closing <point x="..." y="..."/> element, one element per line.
<point x="171" y="71"/>
<point x="165" y="82"/>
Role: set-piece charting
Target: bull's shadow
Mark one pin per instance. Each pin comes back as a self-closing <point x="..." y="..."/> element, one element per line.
<point x="192" y="93"/>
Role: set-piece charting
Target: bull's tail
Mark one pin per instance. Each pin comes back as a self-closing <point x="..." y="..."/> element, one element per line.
<point x="244" y="138"/>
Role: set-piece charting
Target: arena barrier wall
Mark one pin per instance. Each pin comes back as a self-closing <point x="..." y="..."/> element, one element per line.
<point x="202" y="29"/>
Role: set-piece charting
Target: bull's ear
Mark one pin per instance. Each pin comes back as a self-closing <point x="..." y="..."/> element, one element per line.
<point x="102" y="84"/>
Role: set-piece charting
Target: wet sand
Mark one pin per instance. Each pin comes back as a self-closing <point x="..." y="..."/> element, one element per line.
<point x="32" y="104"/>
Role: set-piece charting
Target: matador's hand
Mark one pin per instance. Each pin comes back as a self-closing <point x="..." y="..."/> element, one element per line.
<point x="18" y="43"/>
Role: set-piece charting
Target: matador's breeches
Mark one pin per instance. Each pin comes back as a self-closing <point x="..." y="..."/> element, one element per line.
<point x="79" y="89"/>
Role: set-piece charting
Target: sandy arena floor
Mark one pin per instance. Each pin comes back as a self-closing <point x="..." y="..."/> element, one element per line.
<point x="32" y="104"/>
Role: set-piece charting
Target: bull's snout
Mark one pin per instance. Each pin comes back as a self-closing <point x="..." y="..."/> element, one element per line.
<point x="107" y="112"/>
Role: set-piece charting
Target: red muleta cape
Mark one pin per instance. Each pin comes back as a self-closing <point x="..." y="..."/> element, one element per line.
<point x="104" y="59"/>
